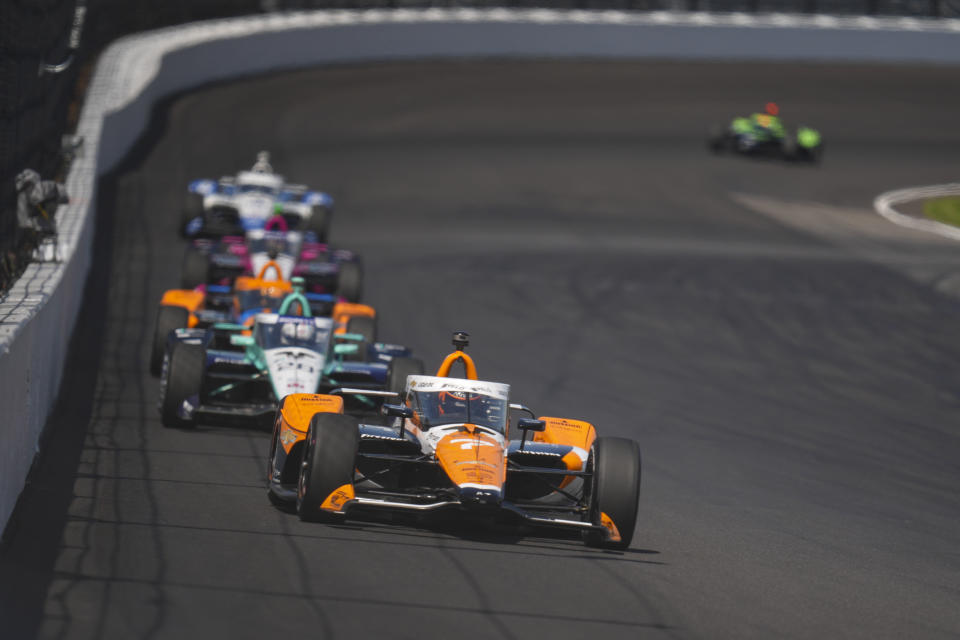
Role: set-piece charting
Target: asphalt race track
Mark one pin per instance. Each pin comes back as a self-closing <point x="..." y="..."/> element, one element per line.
<point x="786" y="359"/>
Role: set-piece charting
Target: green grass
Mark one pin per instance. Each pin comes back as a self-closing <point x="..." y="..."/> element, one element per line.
<point x="945" y="210"/>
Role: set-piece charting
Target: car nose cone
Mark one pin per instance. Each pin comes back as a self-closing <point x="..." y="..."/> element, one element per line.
<point x="480" y="497"/>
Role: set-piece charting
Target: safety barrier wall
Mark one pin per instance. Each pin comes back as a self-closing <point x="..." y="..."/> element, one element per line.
<point x="134" y="73"/>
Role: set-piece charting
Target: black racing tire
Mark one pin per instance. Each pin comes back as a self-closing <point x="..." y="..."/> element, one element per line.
<point x="192" y="208"/>
<point x="399" y="369"/>
<point x="196" y="268"/>
<point x="319" y="222"/>
<point x="329" y="458"/>
<point x="222" y="220"/>
<point x="360" y="355"/>
<point x="168" y="319"/>
<point x="615" y="489"/>
<point x="181" y="377"/>
<point x="364" y="326"/>
<point x="274" y="441"/>
<point x="789" y="147"/>
<point x="813" y="155"/>
<point x="350" y="281"/>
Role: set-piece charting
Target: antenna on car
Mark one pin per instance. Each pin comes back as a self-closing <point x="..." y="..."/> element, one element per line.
<point x="262" y="165"/>
<point x="461" y="339"/>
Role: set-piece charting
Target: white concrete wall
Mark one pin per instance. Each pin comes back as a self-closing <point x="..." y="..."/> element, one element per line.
<point x="37" y="317"/>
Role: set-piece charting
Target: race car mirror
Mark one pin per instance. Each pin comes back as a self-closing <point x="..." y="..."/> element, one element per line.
<point x="396" y="411"/>
<point x="242" y="341"/>
<point x="344" y="349"/>
<point x="527" y="425"/>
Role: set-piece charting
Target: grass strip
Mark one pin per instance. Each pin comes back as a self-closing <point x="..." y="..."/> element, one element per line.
<point x="945" y="210"/>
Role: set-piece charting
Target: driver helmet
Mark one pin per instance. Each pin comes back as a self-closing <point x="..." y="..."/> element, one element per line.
<point x="772" y="108"/>
<point x="306" y="332"/>
<point x="274" y="246"/>
<point x="272" y="292"/>
<point x="450" y="403"/>
<point x="297" y="333"/>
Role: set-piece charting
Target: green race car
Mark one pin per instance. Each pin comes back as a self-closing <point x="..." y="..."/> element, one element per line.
<point x="765" y="134"/>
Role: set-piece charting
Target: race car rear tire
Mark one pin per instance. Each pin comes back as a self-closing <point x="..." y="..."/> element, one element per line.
<point x="813" y="154"/>
<point x="192" y="208"/>
<point x="789" y="147"/>
<point x="329" y="458"/>
<point x="180" y="379"/>
<point x="364" y="326"/>
<point x="615" y="489"/>
<point x="319" y="222"/>
<point x="168" y="319"/>
<point x="399" y="369"/>
<point x="350" y="281"/>
<point x="196" y="268"/>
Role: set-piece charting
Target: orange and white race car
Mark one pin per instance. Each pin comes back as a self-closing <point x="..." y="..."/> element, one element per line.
<point x="452" y="445"/>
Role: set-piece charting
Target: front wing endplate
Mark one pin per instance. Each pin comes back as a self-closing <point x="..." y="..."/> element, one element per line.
<point x="611" y="528"/>
<point x="337" y="500"/>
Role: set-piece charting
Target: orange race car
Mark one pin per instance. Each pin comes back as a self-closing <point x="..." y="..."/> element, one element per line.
<point x="231" y="307"/>
<point x="452" y="445"/>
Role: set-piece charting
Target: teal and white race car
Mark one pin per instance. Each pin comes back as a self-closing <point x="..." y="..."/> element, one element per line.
<point x="236" y="374"/>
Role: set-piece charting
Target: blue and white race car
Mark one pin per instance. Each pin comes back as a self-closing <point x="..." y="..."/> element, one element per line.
<point x="235" y="204"/>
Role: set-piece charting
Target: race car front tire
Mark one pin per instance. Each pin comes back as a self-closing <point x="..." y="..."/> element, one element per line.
<point x="350" y="281"/>
<point x="399" y="369"/>
<point x="168" y="319"/>
<point x="364" y="326"/>
<point x="192" y="208"/>
<point x="319" y="222"/>
<point x="180" y="379"/>
<point x="329" y="458"/>
<point x="196" y="268"/>
<point x="615" y="489"/>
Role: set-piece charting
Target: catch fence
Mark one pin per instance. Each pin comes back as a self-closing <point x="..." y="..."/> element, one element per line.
<point x="47" y="48"/>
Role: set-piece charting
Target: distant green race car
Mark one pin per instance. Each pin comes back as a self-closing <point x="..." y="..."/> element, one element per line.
<point x="765" y="134"/>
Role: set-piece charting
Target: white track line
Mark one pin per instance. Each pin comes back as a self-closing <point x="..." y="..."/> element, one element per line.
<point x="884" y="205"/>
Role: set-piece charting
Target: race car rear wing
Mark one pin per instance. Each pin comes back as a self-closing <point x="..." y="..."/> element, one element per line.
<point x="295" y="189"/>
